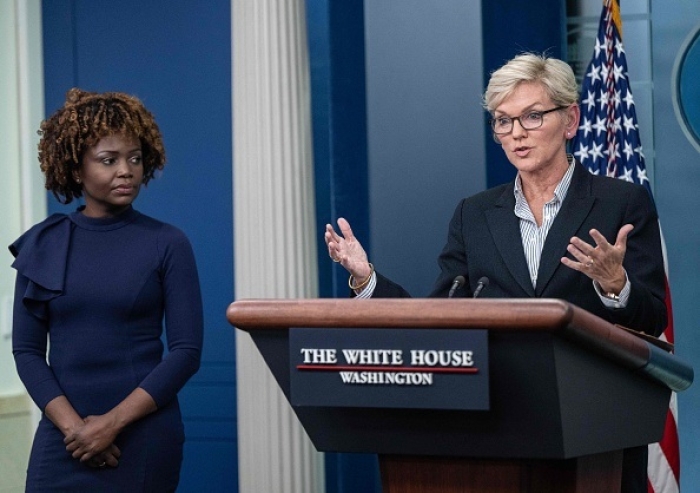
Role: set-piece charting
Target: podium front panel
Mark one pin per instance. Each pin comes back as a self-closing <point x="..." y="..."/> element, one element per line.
<point x="550" y="399"/>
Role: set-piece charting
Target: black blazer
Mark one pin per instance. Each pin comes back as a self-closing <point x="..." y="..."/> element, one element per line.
<point x="484" y="240"/>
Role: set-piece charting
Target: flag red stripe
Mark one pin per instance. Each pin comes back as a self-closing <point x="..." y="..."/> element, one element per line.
<point x="604" y="147"/>
<point x="669" y="445"/>
<point x="669" y="442"/>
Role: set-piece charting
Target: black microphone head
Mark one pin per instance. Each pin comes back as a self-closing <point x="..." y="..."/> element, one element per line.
<point x="480" y="285"/>
<point x="457" y="283"/>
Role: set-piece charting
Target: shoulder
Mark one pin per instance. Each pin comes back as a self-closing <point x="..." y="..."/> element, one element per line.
<point x="56" y="227"/>
<point x="167" y="237"/>
<point x="500" y="194"/>
<point x="616" y="189"/>
<point x="600" y="184"/>
<point x="614" y="185"/>
<point x="47" y="223"/>
<point x="161" y="228"/>
<point x="615" y="193"/>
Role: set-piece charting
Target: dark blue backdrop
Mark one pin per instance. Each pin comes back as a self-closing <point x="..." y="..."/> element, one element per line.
<point x="337" y="64"/>
<point x="176" y="57"/>
<point x="511" y="27"/>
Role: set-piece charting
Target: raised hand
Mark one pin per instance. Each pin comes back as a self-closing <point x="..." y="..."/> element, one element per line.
<point x="347" y="250"/>
<point x="602" y="262"/>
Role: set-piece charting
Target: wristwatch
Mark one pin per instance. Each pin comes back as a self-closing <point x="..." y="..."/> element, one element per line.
<point x="612" y="297"/>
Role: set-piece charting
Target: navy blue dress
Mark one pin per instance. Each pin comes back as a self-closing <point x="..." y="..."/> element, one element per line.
<point x="98" y="290"/>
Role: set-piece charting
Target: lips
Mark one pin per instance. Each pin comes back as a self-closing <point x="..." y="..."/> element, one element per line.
<point x="124" y="189"/>
<point x="521" y="151"/>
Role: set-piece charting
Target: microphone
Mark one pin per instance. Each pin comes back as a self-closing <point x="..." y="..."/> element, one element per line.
<point x="456" y="284"/>
<point x="481" y="284"/>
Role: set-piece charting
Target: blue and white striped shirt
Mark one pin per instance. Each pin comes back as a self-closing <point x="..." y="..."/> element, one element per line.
<point x="533" y="237"/>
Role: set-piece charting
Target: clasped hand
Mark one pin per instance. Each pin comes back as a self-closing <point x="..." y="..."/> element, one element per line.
<point x="93" y="442"/>
<point x="602" y="262"/>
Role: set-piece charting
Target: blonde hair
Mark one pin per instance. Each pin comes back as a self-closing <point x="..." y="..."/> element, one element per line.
<point x="556" y="76"/>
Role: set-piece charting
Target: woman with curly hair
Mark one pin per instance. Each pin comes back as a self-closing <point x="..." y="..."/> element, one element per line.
<point x="92" y="291"/>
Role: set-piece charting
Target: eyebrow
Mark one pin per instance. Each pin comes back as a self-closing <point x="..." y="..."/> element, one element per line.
<point x="527" y="108"/>
<point x="110" y="151"/>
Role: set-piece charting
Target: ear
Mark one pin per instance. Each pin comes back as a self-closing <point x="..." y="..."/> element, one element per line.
<point x="573" y="115"/>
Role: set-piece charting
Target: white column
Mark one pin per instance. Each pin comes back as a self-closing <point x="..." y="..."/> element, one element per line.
<point x="22" y="203"/>
<point x="274" y="228"/>
<point x="22" y="193"/>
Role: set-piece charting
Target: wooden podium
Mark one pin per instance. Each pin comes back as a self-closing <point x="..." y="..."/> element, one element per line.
<point x="568" y="392"/>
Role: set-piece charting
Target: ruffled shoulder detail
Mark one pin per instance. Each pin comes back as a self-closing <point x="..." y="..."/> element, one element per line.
<point x="41" y="255"/>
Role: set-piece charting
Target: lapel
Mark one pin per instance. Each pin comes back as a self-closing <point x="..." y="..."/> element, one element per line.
<point x="504" y="227"/>
<point x="576" y="207"/>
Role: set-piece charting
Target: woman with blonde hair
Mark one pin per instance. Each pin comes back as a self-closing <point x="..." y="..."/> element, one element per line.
<point x="556" y="231"/>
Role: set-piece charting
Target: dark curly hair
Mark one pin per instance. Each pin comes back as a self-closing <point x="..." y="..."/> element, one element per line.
<point x="84" y="119"/>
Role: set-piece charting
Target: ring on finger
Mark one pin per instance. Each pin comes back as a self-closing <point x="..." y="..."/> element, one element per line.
<point x="590" y="262"/>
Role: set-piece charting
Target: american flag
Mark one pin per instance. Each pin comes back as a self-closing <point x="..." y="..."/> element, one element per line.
<point x="607" y="142"/>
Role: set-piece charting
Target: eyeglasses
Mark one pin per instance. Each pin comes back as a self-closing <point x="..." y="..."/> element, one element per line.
<point x="529" y="121"/>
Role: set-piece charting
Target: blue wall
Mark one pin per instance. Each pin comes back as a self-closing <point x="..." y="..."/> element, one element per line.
<point x="511" y="27"/>
<point x="676" y="185"/>
<point x="339" y="124"/>
<point x="425" y="129"/>
<point x="176" y="57"/>
<point x="337" y="60"/>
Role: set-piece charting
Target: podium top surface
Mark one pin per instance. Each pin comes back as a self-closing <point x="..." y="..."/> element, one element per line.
<point x="533" y="314"/>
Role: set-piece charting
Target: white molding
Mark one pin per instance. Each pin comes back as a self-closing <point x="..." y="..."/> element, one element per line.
<point x="274" y="228"/>
<point x="30" y="97"/>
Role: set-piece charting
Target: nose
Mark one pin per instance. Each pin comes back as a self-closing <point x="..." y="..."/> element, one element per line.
<point x="518" y="130"/>
<point x="124" y="168"/>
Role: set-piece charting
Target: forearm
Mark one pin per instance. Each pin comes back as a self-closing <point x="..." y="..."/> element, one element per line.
<point x="62" y="414"/>
<point x="134" y="407"/>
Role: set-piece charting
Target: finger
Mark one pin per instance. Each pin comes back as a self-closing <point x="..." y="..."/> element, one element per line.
<point x="110" y="459"/>
<point x="573" y="265"/>
<point x="600" y="240"/>
<point x="621" y="241"/>
<point x="578" y="254"/>
<point x="345" y="229"/>
<point x="333" y="246"/>
<point x="115" y="451"/>
<point x="584" y="248"/>
<point x="331" y="235"/>
<point x="329" y="241"/>
<point x="99" y="461"/>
